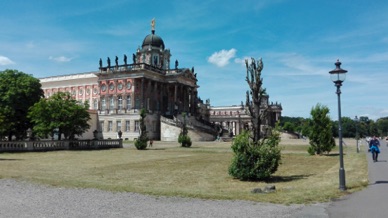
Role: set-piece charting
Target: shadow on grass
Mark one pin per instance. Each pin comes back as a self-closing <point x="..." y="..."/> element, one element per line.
<point x="332" y="154"/>
<point x="155" y="149"/>
<point x="279" y="179"/>
<point x="3" y="159"/>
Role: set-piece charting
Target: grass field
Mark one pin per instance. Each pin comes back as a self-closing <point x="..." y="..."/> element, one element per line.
<point x="200" y="171"/>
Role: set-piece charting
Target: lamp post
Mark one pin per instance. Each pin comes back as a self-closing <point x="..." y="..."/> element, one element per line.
<point x="357" y="137"/>
<point x="338" y="75"/>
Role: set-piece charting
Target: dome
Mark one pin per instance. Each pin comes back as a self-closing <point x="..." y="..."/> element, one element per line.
<point x="153" y="40"/>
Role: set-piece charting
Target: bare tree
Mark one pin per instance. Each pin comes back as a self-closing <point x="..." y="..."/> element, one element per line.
<point x="256" y="92"/>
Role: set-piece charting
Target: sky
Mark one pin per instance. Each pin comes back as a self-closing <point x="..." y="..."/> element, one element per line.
<point x="298" y="40"/>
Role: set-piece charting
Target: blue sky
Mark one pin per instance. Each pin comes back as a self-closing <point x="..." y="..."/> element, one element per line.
<point x="298" y="40"/>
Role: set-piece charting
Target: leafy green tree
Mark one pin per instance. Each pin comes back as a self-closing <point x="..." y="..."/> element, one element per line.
<point x="289" y="127"/>
<point x="60" y="112"/>
<point x="348" y="127"/>
<point x="306" y="130"/>
<point x="141" y="142"/>
<point x="256" y="155"/>
<point x="18" y="92"/>
<point x="373" y="128"/>
<point x="183" y="138"/>
<point x="382" y="125"/>
<point x="321" y="138"/>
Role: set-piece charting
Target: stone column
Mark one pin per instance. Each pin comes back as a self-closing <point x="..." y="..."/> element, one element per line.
<point x="155" y="97"/>
<point x="142" y="94"/>
<point x="148" y="96"/>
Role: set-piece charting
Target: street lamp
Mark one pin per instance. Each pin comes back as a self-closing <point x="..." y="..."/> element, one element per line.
<point x="338" y="75"/>
<point x="357" y="137"/>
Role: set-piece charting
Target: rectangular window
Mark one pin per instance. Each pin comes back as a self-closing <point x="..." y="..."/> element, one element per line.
<point x="95" y="106"/>
<point x="128" y="102"/>
<point x="118" y="125"/>
<point x="103" y="104"/>
<point x="110" y="126"/>
<point x="120" y="102"/>
<point x="102" y="126"/>
<point x="137" y="103"/>
<point x="111" y="103"/>
<point x="137" y="126"/>
<point x="127" y="128"/>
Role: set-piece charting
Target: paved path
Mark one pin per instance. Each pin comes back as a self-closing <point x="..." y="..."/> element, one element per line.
<point x="371" y="202"/>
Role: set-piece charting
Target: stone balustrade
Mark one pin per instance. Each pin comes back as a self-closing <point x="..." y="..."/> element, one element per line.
<point x="46" y="145"/>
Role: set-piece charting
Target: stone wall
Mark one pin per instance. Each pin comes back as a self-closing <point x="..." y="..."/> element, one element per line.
<point x="170" y="132"/>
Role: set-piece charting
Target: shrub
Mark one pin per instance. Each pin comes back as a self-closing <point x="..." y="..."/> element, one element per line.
<point x="255" y="161"/>
<point x="183" y="137"/>
<point x="184" y="140"/>
<point x="141" y="144"/>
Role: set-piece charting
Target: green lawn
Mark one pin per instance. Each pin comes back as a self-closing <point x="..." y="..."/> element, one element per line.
<point x="200" y="171"/>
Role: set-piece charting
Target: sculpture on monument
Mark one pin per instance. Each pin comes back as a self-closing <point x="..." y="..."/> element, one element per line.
<point x="117" y="61"/>
<point x="153" y="24"/>
<point x="100" y="62"/>
<point x="134" y="58"/>
<point x="108" y="62"/>
<point x="125" y="60"/>
<point x="176" y="64"/>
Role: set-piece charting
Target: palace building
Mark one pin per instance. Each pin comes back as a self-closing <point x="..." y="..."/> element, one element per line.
<point x="116" y="93"/>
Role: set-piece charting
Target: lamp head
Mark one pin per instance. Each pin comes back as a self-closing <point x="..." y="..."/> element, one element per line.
<point x="338" y="75"/>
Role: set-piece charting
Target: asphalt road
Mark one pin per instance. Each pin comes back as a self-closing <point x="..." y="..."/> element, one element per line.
<point x="372" y="201"/>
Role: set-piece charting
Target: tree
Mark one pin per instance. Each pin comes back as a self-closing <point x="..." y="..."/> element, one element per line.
<point x="60" y="112"/>
<point x="382" y="125"/>
<point x="321" y="138"/>
<point x="18" y="92"/>
<point x="289" y="127"/>
<point x="257" y="92"/>
<point x="141" y="142"/>
<point x="184" y="138"/>
<point x="348" y="127"/>
<point x="256" y="155"/>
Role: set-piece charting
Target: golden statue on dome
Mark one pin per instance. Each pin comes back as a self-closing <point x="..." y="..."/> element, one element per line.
<point x="153" y="24"/>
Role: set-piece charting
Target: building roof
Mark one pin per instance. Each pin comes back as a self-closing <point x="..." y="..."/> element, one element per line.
<point x="153" y="40"/>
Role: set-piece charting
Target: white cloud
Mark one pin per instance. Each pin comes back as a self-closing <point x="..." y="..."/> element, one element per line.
<point x="5" y="61"/>
<point x="221" y="58"/>
<point x="242" y="60"/>
<point x="60" y="59"/>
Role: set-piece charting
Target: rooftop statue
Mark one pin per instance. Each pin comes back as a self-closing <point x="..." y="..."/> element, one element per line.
<point x="153" y="24"/>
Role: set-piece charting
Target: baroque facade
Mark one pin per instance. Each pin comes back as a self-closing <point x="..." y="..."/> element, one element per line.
<point x="117" y="92"/>
<point x="234" y="119"/>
